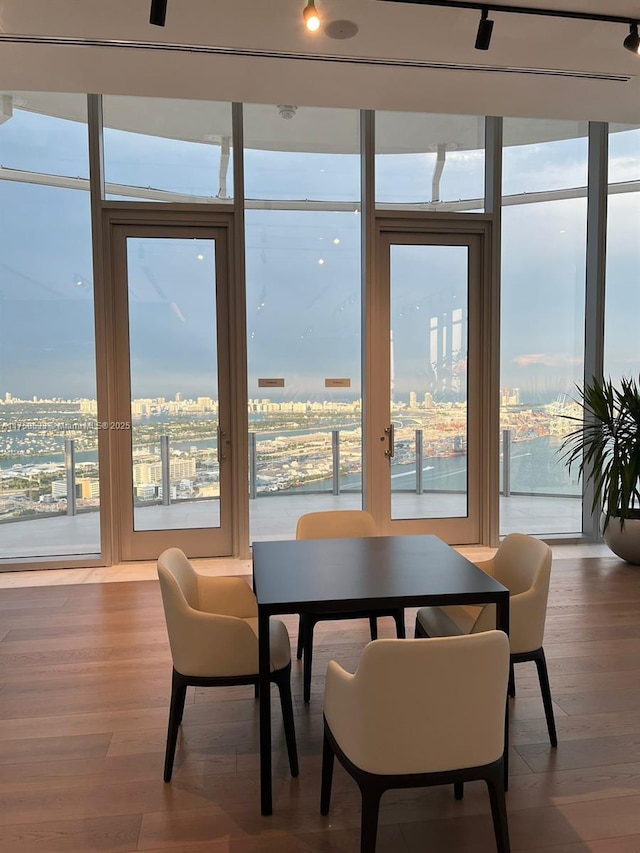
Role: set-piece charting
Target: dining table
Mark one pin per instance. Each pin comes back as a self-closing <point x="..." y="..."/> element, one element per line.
<point x="368" y="574"/>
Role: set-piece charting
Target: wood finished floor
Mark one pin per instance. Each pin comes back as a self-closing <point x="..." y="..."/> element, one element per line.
<point x="84" y="686"/>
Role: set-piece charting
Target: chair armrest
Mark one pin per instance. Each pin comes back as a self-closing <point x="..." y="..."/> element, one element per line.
<point x="230" y="596"/>
<point x="528" y="612"/>
<point x="340" y="700"/>
<point x="207" y="645"/>
<point x="486" y="566"/>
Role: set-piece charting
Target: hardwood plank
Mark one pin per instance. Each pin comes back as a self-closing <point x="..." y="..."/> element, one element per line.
<point x="582" y="753"/>
<point x="104" y="835"/>
<point x="77" y="746"/>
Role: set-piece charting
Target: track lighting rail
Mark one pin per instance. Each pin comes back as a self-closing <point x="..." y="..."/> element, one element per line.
<point x="525" y="10"/>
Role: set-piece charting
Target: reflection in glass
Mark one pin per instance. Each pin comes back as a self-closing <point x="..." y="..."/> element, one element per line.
<point x="44" y="133"/>
<point x="430" y="161"/>
<point x="312" y="155"/>
<point x="162" y="149"/>
<point x="174" y="383"/>
<point x="429" y="381"/>
<point x="540" y="155"/>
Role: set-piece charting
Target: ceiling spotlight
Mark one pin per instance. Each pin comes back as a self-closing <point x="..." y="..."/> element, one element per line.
<point x="632" y="41"/>
<point x="485" y="28"/>
<point x="311" y="17"/>
<point x="158" y="12"/>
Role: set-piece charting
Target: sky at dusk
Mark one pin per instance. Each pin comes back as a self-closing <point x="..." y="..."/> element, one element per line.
<point x="303" y="268"/>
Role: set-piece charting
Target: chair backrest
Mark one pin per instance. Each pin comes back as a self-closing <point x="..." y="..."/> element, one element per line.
<point x="523" y="564"/>
<point x="336" y="524"/>
<point x="178" y="577"/>
<point x="206" y="619"/>
<point x="420" y="706"/>
<point x="520" y="562"/>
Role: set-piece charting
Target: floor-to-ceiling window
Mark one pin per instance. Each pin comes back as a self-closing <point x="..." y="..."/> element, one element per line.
<point x="302" y="190"/>
<point x="170" y="289"/>
<point x="542" y="320"/>
<point x="304" y="312"/>
<point x="622" y="340"/>
<point x="48" y="426"/>
<point x="431" y="168"/>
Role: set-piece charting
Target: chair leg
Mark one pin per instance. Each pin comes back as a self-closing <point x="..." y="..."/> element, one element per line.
<point x="511" y="689"/>
<point x="495" y="785"/>
<point x="307" y="642"/>
<point x="373" y="626"/>
<point x="507" y="746"/>
<point x="458" y="790"/>
<point x="369" y="822"/>
<point x="282" y="679"/>
<point x="399" y="620"/>
<point x="543" y="677"/>
<point x="327" y="775"/>
<point x="176" y="707"/>
<point x="300" y="648"/>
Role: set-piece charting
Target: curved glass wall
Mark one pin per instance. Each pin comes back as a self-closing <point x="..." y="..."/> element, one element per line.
<point x="542" y="320"/>
<point x="302" y="195"/>
<point x="303" y="264"/>
<point x="49" y="485"/>
<point x="622" y="342"/>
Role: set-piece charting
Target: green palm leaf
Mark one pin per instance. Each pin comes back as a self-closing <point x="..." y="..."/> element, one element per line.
<point x="605" y="448"/>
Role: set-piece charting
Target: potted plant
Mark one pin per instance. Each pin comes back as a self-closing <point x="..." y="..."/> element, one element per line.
<point x="606" y="449"/>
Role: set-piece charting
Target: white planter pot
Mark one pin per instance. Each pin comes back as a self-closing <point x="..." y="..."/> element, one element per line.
<point x="624" y="543"/>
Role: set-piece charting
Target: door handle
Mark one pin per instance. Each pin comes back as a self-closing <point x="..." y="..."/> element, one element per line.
<point x="221" y="437"/>
<point x="390" y="433"/>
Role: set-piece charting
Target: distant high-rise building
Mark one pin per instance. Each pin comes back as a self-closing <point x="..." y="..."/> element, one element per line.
<point x="178" y="397"/>
<point x="8" y="397"/>
<point x="412" y="399"/>
<point x="510" y="397"/>
<point x="89" y="406"/>
<point x="428" y="401"/>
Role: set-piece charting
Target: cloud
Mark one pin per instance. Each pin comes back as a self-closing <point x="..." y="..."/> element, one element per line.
<point x="559" y="359"/>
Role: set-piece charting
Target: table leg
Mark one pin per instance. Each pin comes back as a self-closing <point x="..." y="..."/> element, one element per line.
<point x="502" y="614"/>
<point x="502" y="624"/>
<point x="264" y="666"/>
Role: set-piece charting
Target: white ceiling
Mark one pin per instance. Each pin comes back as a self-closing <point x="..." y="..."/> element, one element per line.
<point x="391" y="31"/>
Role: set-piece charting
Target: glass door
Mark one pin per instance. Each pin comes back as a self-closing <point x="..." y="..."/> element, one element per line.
<point x="171" y="429"/>
<point x="426" y="435"/>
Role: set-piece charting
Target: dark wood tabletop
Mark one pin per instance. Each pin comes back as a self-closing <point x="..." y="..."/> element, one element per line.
<point x="362" y="573"/>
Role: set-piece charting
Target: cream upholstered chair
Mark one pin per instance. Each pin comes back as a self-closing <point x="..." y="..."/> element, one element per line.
<point x="405" y="720"/>
<point x="523" y="564"/>
<point x="336" y="524"/>
<point x="213" y="633"/>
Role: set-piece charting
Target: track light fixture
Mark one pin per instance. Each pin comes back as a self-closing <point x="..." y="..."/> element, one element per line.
<point x="485" y="28"/>
<point x="632" y="41"/>
<point x="158" y="13"/>
<point x="311" y="17"/>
